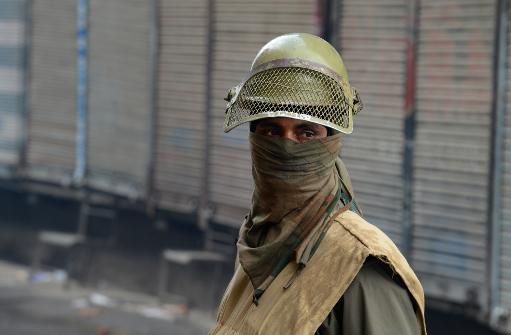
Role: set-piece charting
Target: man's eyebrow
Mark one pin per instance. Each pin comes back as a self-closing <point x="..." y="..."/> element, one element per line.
<point x="268" y="123"/>
<point x="308" y="125"/>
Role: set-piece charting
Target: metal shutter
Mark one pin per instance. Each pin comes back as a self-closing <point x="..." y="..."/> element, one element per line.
<point x="454" y="91"/>
<point x="119" y="122"/>
<point x="12" y="44"/>
<point x="505" y="215"/>
<point x="182" y="72"/>
<point x="240" y="31"/>
<point x="51" y="146"/>
<point x="373" y="46"/>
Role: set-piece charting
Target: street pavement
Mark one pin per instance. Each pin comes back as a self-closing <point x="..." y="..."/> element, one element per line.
<point x="46" y="308"/>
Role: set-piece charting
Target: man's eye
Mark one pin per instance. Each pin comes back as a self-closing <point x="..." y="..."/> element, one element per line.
<point x="309" y="133"/>
<point x="270" y="132"/>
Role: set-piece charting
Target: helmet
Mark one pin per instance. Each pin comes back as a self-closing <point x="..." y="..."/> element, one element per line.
<point x="297" y="75"/>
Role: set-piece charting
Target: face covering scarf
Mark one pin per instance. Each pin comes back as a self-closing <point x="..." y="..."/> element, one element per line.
<point x="297" y="193"/>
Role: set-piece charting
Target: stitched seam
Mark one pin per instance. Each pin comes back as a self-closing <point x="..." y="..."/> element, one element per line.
<point x="354" y="235"/>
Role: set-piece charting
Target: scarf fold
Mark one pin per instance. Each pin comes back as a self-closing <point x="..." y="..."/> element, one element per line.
<point x="297" y="191"/>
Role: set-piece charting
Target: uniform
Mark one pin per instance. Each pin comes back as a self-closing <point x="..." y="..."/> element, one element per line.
<point x="308" y="263"/>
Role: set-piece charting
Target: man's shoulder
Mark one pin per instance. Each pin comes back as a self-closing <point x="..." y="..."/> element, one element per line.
<point x="367" y="234"/>
<point x="378" y="245"/>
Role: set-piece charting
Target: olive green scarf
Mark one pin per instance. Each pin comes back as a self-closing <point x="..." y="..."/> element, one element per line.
<point x="297" y="191"/>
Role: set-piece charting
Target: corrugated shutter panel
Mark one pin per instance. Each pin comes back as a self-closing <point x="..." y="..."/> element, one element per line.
<point x="119" y="96"/>
<point x="505" y="262"/>
<point x="12" y="44"/>
<point x="240" y="31"/>
<point x="454" y="91"/>
<point x="51" y="147"/>
<point x="182" y="72"/>
<point x="373" y="47"/>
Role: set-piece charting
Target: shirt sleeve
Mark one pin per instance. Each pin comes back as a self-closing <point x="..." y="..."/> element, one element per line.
<point x="374" y="304"/>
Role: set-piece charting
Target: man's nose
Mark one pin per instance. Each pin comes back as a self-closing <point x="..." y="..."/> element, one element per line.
<point x="289" y="134"/>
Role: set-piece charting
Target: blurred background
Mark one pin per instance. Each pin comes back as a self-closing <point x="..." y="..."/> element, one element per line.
<point x="121" y="197"/>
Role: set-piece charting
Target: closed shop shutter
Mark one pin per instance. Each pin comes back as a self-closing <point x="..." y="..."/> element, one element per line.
<point x="12" y="44"/>
<point x="373" y="46"/>
<point x="180" y="141"/>
<point x="240" y="31"/>
<point x="51" y="146"/>
<point x="505" y="215"/>
<point x="451" y="165"/>
<point x="119" y="118"/>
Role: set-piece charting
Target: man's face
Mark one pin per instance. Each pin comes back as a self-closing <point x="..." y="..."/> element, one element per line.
<point x="292" y="129"/>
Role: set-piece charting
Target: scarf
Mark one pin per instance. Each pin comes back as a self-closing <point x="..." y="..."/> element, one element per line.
<point x="297" y="191"/>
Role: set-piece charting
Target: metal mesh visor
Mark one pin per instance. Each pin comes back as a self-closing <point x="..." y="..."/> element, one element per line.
<point x="294" y="92"/>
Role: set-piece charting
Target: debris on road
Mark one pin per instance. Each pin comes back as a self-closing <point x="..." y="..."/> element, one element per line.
<point x="55" y="276"/>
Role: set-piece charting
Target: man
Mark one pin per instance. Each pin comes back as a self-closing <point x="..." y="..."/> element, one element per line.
<point x="308" y="263"/>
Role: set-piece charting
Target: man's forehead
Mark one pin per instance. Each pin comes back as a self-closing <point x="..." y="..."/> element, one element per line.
<point x="286" y="121"/>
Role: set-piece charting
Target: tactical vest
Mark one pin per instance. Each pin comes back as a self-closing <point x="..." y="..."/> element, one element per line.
<point x="302" y="307"/>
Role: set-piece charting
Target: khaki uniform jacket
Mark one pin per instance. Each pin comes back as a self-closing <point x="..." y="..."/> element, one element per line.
<point x="375" y="303"/>
<point x="304" y="306"/>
